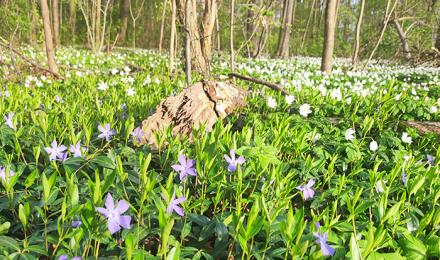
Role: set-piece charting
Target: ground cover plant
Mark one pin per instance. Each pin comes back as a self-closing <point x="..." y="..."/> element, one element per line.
<point x="279" y="179"/>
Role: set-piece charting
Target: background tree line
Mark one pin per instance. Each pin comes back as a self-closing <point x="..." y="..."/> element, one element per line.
<point x="262" y="27"/>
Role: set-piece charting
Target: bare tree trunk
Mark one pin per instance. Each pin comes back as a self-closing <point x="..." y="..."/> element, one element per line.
<point x="355" y="58"/>
<point x="403" y="41"/>
<point x="162" y="25"/>
<point x="329" y="36"/>
<point x="48" y="36"/>
<point x="98" y="23"/>
<point x="285" y="30"/>
<point x="200" y="33"/>
<point x="217" y="29"/>
<point x="188" y="41"/>
<point x="123" y="14"/>
<point x="56" y="22"/>
<point x="72" y="19"/>
<point x="231" y="34"/>
<point x="172" y="35"/>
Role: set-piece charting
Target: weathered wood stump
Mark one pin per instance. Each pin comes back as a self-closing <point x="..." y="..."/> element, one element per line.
<point x="202" y="103"/>
<point x="424" y="127"/>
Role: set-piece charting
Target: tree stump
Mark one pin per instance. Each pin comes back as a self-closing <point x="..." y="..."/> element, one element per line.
<point x="202" y="103"/>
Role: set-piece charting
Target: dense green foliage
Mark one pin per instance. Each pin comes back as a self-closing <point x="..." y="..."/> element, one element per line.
<point x="374" y="202"/>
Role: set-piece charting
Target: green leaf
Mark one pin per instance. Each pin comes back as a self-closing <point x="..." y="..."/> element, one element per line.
<point x="391" y="212"/>
<point x="103" y="161"/>
<point x="129" y="246"/>
<point x="7" y="242"/>
<point x="174" y="253"/>
<point x="354" y="248"/>
<point x="412" y="247"/>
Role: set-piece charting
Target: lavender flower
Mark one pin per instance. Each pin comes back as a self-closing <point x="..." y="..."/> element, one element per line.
<point x="137" y="134"/>
<point x="77" y="150"/>
<point x="431" y="159"/>
<point x="326" y="249"/>
<point x="307" y="191"/>
<point x="76" y="223"/>
<point x="3" y="174"/>
<point x="63" y="157"/>
<point x="113" y="214"/>
<point x="185" y="168"/>
<point x="55" y="151"/>
<point x="173" y="206"/>
<point x="63" y="257"/>
<point x="106" y="132"/>
<point x="8" y="120"/>
<point x="233" y="162"/>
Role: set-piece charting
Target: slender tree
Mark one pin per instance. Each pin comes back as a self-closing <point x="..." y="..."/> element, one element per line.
<point x="355" y="57"/>
<point x="56" y="22"/>
<point x="188" y="41"/>
<point x="172" y="35"/>
<point x="231" y="35"/>
<point x="403" y="40"/>
<point x="286" y="27"/>
<point x="48" y="36"/>
<point x="124" y="8"/>
<point x="329" y="36"/>
<point x="72" y="19"/>
<point x="162" y="24"/>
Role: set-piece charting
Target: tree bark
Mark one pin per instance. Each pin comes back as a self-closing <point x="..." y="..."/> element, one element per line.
<point x="172" y="35"/>
<point x="72" y="19"/>
<point x="286" y="28"/>
<point x="200" y="33"/>
<point x="56" y="22"/>
<point x="188" y="41"/>
<point x="355" y="57"/>
<point x="162" y="25"/>
<point x="231" y="35"/>
<point x="48" y="37"/>
<point x="329" y="36"/>
<point x="123" y="14"/>
<point x="403" y="41"/>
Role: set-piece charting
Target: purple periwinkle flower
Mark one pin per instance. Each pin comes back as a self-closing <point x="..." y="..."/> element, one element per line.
<point x="174" y="205"/>
<point x="137" y="134"/>
<point x="307" y="191"/>
<point x="431" y="159"/>
<point x="76" y="223"/>
<point x="63" y="157"/>
<point x="106" y="132"/>
<point x="185" y="168"/>
<point x="321" y="240"/>
<point x="77" y="150"/>
<point x="233" y="162"/>
<point x="3" y="174"/>
<point x="404" y="180"/>
<point x="63" y="257"/>
<point x="8" y="120"/>
<point x="113" y="214"/>
<point x="55" y="151"/>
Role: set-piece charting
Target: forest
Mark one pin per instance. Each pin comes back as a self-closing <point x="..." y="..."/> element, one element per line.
<point x="219" y="129"/>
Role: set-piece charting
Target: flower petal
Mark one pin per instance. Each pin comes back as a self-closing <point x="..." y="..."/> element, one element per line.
<point x="182" y="159"/>
<point x="113" y="225"/>
<point x="109" y="204"/>
<point x="103" y="211"/>
<point x="179" y="210"/>
<point x="124" y="221"/>
<point x="122" y="206"/>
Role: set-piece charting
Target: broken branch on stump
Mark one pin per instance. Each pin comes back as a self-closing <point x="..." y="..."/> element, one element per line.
<point x="33" y="64"/>
<point x="261" y="82"/>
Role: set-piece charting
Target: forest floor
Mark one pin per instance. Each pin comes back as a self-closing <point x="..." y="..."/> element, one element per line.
<point x="277" y="179"/>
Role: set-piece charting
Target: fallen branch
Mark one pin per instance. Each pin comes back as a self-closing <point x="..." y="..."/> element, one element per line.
<point x="260" y="81"/>
<point x="33" y="64"/>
